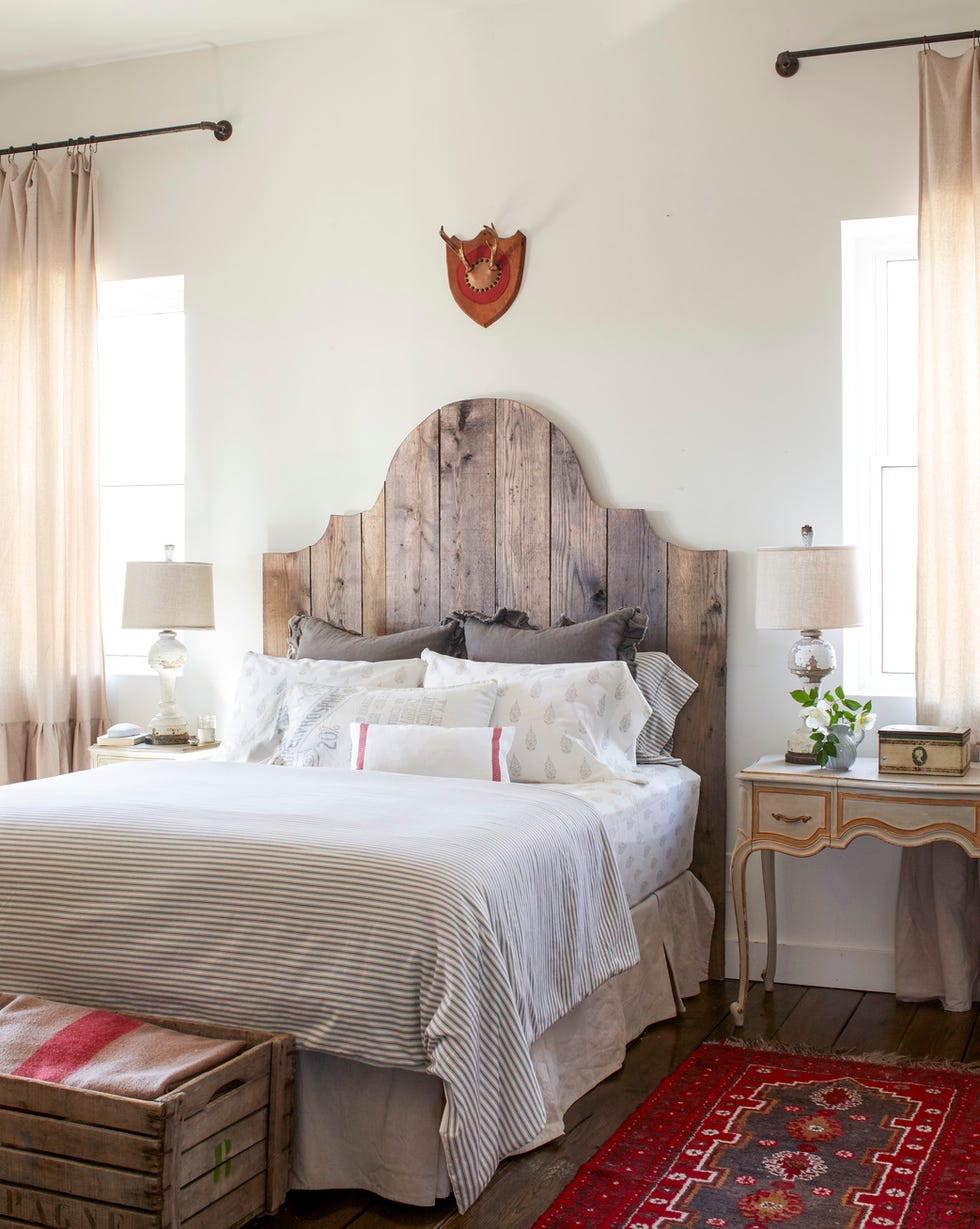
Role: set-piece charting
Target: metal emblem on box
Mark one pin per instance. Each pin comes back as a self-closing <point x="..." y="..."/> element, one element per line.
<point x="930" y="750"/>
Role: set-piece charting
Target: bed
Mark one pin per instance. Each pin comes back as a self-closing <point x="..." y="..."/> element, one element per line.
<point x="484" y="506"/>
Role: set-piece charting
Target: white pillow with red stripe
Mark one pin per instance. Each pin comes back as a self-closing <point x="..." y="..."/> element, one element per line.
<point x="575" y="721"/>
<point x="432" y="751"/>
<point x="319" y="718"/>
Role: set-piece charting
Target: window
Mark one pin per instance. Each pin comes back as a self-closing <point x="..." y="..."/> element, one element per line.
<point x="141" y="376"/>
<point x="880" y="279"/>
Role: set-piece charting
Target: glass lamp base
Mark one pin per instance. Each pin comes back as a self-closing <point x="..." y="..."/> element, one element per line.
<point x="799" y="747"/>
<point x="168" y="726"/>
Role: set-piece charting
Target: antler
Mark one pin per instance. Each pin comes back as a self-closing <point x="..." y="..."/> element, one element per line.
<point x="491" y="230"/>
<point x="455" y="245"/>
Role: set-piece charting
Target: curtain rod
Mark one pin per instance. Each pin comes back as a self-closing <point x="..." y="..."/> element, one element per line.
<point x="788" y="62"/>
<point x="222" y="131"/>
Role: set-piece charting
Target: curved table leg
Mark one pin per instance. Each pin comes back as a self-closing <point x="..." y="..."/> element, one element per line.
<point x="739" y="858"/>
<point x="769" y="891"/>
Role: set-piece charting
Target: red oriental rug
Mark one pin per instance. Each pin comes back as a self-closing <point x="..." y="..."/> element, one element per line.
<point x="739" y="1138"/>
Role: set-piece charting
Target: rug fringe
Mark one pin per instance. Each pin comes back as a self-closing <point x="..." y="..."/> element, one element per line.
<point x="881" y="1057"/>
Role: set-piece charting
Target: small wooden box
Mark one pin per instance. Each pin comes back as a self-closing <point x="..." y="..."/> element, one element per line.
<point x="931" y="750"/>
<point x="212" y="1154"/>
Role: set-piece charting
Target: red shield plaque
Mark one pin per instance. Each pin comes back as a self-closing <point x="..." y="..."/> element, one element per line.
<point x="485" y="272"/>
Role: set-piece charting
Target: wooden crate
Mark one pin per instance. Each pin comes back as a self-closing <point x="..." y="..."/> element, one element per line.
<point x="212" y="1154"/>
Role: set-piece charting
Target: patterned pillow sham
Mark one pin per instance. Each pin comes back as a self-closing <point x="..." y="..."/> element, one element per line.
<point x="575" y="721"/>
<point x="316" y="638"/>
<point x="666" y="688"/>
<point x="428" y="751"/>
<point x="255" y="729"/>
<point x="508" y="636"/>
<point x="320" y="718"/>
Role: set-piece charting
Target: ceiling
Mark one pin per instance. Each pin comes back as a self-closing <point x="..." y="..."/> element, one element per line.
<point x="43" y="34"/>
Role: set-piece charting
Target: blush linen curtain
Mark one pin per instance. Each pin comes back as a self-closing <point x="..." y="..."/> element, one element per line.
<point x="937" y="941"/>
<point x="52" y="686"/>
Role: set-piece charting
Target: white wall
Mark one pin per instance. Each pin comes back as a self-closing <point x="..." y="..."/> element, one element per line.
<point x="679" y="319"/>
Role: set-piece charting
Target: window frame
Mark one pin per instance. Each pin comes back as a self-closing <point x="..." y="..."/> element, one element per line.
<point x="867" y="247"/>
<point x="129" y="298"/>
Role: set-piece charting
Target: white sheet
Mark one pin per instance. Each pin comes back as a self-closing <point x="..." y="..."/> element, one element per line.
<point x="650" y="826"/>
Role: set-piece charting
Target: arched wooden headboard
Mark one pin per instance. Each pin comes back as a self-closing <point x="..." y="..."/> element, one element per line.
<point x="485" y="505"/>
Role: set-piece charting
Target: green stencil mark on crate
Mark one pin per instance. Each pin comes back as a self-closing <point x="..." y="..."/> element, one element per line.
<point x="222" y="1153"/>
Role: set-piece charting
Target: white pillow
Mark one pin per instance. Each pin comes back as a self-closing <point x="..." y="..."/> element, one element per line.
<point x="666" y="688"/>
<point x="574" y="721"/>
<point x="319" y="719"/>
<point x="428" y="751"/>
<point x="256" y="724"/>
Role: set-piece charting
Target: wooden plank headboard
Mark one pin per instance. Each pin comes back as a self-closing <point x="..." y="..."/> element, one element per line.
<point x="485" y="505"/>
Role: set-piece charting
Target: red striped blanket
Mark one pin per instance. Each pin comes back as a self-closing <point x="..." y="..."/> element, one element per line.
<point x="100" y="1050"/>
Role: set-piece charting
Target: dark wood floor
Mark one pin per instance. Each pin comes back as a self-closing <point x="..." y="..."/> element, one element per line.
<point x="525" y="1186"/>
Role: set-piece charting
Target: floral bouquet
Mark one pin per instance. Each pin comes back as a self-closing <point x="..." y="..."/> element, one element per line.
<point x="833" y="709"/>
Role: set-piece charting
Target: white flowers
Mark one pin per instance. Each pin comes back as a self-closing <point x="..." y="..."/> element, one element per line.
<point x="864" y="720"/>
<point x="823" y="712"/>
<point x="817" y="716"/>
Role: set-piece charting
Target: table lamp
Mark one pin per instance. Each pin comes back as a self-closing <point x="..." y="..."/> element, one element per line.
<point x="808" y="587"/>
<point x="168" y="595"/>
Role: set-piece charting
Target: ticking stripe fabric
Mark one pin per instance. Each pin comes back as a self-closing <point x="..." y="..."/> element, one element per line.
<point x="666" y="688"/>
<point x="410" y="922"/>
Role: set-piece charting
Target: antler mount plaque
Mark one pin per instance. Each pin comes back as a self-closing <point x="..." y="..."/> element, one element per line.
<point x="485" y="272"/>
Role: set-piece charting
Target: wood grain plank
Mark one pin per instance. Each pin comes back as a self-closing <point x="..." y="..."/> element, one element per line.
<point x="523" y="511"/>
<point x="878" y="1023"/>
<point x="637" y="571"/>
<point x="230" y="1209"/>
<point x="697" y="635"/>
<point x="324" y="1210"/>
<point x="467" y="535"/>
<point x="382" y="1214"/>
<point x="374" y="618"/>
<point x="936" y="1033"/>
<point x="80" y="1106"/>
<point x="335" y="573"/>
<point x="819" y="1018"/>
<point x="33" y="1208"/>
<point x="280" y="1117"/>
<point x="765" y="1013"/>
<point x="79" y="1141"/>
<point x="972" y="1052"/>
<point x="578" y="539"/>
<point x="285" y="592"/>
<point x="412" y="530"/>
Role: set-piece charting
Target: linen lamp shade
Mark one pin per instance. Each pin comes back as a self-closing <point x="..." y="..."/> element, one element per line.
<point x="168" y="594"/>
<point x="808" y="587"/>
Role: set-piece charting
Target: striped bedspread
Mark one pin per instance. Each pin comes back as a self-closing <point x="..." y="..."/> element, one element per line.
<point x="412" y="922"/>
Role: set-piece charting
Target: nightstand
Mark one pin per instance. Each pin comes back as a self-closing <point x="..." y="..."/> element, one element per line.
<point x="799" y="810"/>
<point x="103" y="756"/>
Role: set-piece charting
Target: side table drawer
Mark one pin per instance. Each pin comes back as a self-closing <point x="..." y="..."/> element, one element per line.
<point x="796" y="817"/>
<point x="905" y="817"/>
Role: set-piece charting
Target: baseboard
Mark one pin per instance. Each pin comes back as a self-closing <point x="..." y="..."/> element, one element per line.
<point x="850" y="968"/>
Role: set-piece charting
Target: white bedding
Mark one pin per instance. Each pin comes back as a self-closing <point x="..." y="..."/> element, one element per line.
<point x="411" y="922"/>
<point x="650" y="826"/>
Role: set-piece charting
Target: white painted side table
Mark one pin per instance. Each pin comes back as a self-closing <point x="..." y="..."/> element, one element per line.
<point x="800" y="809"/>
<point x="103" y="756"/>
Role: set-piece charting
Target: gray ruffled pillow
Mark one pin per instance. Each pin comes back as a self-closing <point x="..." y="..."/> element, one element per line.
<point x="508" y="636"/>
<point x="323" y="641"/>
